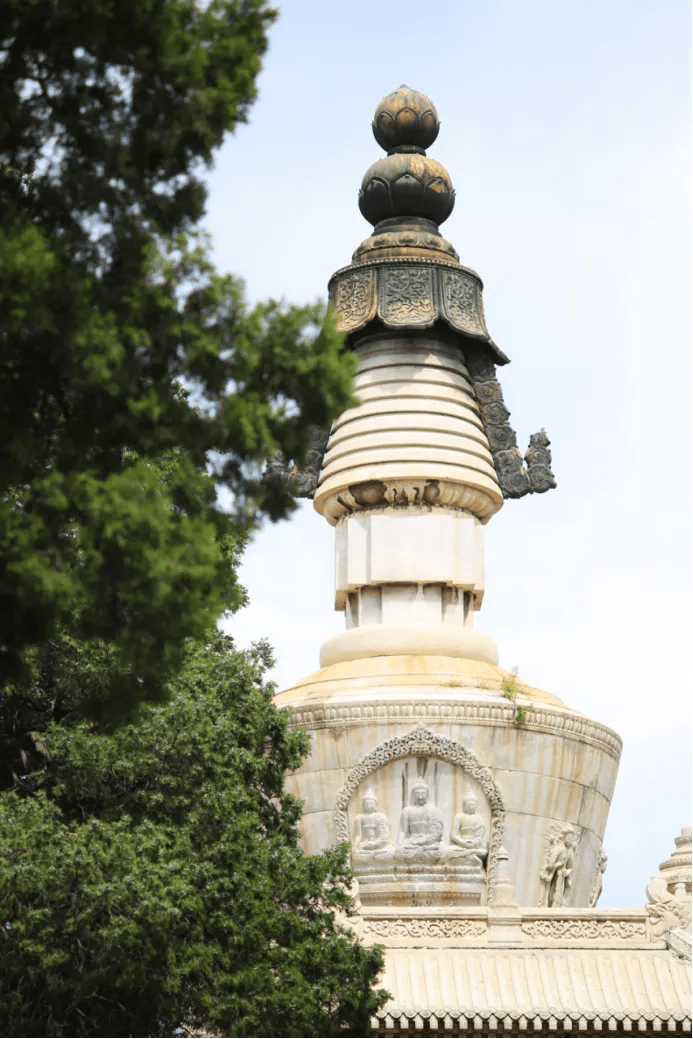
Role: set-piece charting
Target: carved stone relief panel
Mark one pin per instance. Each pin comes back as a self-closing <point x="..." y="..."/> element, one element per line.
<point x="411" y="292"/>
<point x="425" y="818"/>
<point x="462" y="299"/>
<point x="422" y="822"/>
<point x="433" y="928"/>
<point x="571" y="928"/>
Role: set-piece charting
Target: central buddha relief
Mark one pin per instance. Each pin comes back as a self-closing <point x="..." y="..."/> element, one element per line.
<point x="419" y="833"/>
<point x="421" y="828"/>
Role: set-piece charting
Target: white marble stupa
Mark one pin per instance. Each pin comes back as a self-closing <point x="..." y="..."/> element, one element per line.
<point x="474" y="805"/>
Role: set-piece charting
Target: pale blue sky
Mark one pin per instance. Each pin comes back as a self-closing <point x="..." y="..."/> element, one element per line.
<point x="566" y="131"/>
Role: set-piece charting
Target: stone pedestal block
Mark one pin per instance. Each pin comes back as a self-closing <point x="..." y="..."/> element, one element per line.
<point x="418" y="547"/>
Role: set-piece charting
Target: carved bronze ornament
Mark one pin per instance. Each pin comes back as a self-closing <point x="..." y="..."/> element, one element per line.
<point x="411" y="294"/>
<point x="304" y="480"/>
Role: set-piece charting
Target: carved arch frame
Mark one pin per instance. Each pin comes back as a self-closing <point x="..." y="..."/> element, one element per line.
<point x="422" y="742"/>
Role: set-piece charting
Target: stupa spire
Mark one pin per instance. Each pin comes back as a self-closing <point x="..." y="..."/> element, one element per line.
<point x="407" y="277"/>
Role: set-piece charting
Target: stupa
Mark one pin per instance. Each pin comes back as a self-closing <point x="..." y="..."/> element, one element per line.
<point x="474" y="804"/>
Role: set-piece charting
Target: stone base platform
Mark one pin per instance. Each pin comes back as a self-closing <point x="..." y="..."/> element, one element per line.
<point x="429" y="885"/>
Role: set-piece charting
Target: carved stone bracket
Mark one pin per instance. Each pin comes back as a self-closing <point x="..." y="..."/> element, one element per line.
<point x="421" y="742"/>
<point x="515" y="480"/>
<point x="411" y="294"/>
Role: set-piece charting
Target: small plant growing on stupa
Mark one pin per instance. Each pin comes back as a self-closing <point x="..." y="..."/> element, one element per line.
<point x="510" y="691"/>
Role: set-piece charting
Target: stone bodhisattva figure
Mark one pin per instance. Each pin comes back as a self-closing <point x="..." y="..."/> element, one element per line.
<point x="372" y="842"/>
<point x="467" y="845"/>
<point x="557" y="871"/>
<point x="598" y="882"/>
<point x="421" y="828"/>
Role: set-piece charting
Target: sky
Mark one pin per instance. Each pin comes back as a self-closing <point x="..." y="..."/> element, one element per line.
<point x="566" y="129"/>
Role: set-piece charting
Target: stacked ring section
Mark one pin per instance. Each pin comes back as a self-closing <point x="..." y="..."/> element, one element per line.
<point x="417" y="421"/>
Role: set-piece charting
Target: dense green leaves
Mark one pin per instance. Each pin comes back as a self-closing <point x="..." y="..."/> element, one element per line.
<point x="121" y="348"/>
<point x="153" y="879"/>
<point x="113" y="106"/>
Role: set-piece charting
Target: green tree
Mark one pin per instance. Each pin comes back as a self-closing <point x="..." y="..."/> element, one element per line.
<point x="153" y="879"/>
<point x="121" y="348"/>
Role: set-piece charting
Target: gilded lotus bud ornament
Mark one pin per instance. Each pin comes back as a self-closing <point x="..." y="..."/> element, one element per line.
<point x="407" y="120"/>
<point x="406" y="185"/>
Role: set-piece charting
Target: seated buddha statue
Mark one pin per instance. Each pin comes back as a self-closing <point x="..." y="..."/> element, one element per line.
<point x="421" y="828"/>
<point x="467" y="844"/>
<point x="372" y="842"/>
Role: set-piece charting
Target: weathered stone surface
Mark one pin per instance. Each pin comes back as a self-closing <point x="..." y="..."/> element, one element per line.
<point x="544" y="770"/>
<point x="387" y="452"/>
<point x="411" y="547"/>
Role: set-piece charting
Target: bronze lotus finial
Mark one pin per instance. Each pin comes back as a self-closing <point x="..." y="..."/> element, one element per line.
<point x="407" y="183"/>
<point x="405" y="121"/>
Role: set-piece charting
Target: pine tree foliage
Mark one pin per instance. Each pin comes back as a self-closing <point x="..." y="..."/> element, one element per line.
<point x="152" y="880"/>
<point x="121" y="348"/>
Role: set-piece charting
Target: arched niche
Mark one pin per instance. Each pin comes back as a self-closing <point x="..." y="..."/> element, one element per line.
<point x="421" y="742"/>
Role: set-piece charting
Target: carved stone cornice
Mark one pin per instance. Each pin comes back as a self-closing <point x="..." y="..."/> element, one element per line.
<point x="405" y="293"/>
<point x="559" y="723"/>
<point x="378" y="494"/>
<point x="539" y="928"/>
